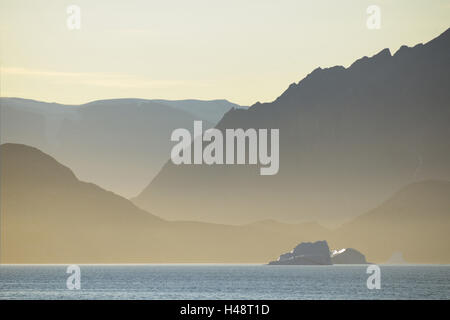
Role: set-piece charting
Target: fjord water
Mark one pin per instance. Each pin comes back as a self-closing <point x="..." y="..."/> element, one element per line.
<point x="224" y="282"/>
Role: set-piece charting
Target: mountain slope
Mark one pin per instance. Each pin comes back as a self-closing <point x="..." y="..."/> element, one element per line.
<point x="47" y="213"/>
<point x="414" y="221"/>
<point x="211" y="111"/>
<point x="349" y="138"/>
<point x="49" y="216"/>
<point x="119" y="144"/>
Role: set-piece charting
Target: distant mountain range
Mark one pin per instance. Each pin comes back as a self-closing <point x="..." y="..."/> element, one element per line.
<point x="49" y="216"/>
<point x="349" y="138"/>
<point x="366" y="147"/>
<point x="119" y="144"/>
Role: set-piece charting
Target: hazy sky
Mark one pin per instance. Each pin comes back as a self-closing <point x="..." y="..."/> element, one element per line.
<point x="241" y="50"/>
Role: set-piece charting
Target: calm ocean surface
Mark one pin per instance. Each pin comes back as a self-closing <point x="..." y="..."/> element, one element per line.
<point x="224" y="282"/>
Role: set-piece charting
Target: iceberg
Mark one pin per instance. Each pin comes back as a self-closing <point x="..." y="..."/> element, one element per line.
<point x="306" y="253"/>
<point x="318" y="253"/>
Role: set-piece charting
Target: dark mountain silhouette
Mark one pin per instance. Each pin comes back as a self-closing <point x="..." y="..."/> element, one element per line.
<point x="119" y="144"/>
<point x="349" y="138"/>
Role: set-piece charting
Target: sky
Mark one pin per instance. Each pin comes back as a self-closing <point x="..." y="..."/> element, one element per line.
<point x="242" y="51"/>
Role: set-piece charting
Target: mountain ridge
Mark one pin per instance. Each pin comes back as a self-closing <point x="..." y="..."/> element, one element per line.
<point x="130" y="138"/>
<point x="352" y="136"/>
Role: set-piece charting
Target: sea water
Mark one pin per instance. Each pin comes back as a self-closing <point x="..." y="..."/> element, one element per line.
<point x="206" y="281"/>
